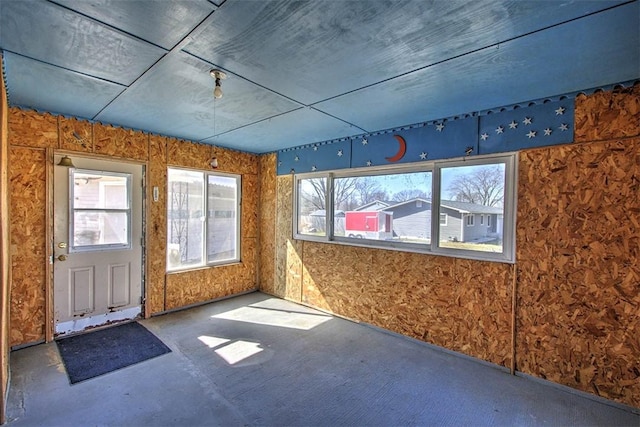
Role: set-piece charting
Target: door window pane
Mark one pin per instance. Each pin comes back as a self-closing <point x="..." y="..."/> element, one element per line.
<point x="99" y="210"/>
<point x="185" y="217"/>
<point x="467" y="192"/>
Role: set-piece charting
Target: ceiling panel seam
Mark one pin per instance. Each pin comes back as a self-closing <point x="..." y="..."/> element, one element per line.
<point x="250" y="124"/>
<point x="461" y="55"/>
<point x="175" y="50"/>
<point x="124" y="86"/>
<point x="106" y="24"/>
<point x="246" y="79"/>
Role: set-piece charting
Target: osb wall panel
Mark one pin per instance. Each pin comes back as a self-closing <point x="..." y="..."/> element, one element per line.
<point x="458" y="304"/>
<point x="75" y="135"/>
<point x="195" y="286"/>
<point x="608" y="115"/>
<point x="579" y="268"/>
<point x="28" y="254"/>
<point x="235" y="161"/>
<point x="288" y="266"/>
<point x="118" y="142"/>
<point x="267" y="222"/>
<point x="32" y="129"/>
<point x="249" y="208"/>
<point x="188" y="154"/>
<point x="4" y="250"/>
<point x="156" y="224"/>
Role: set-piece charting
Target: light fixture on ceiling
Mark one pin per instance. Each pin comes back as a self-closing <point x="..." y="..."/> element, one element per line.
<point x="218" y="75"/>
<point x="66" y="162"/>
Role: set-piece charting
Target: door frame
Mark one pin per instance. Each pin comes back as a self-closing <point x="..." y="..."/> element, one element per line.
<point x="49" y="329"/>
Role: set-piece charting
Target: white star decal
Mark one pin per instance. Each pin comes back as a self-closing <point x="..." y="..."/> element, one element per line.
<point x="364" y="141"/>
<point x="369" y="163"/>
<point x="564" y="127"/>
<point x="560" y="111"/>
<point x="484" y="136"/>
<point x="547" y="132"/>
<point x="440" y="127"/>
<point x="315" y="148"/>
<point x="339" y="153"/>
<point x="314" y="168"/>
<point x="279" y="163"/>
<point x="423" y="156"/>
<point x="499" y="130"/>
<point x="531" y="134"/>
<point x="513" y="124"/>
<point x="296" y="158"/>
<point x="527" y="120"/>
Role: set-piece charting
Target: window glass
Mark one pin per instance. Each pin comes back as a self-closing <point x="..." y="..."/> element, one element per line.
<point x="100" y="210"/>
<point x="222" y="218"/>
<point x="391" y="207"/>
<point x="185" y="216"/>
<point x="467" y="192"/>
<point x="203" y="219"/>
<point x="311" y="206"/>
<point x="462" y="208"/>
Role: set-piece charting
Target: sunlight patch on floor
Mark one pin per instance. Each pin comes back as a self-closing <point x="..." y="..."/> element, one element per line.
<point x="231" y="352"/>
<point x="274" y="317"/>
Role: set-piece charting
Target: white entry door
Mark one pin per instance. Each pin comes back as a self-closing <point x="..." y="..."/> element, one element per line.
<point x="97" y="273"/>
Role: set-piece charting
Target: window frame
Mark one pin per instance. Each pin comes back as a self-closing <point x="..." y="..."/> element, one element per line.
<point x="509" y="209"/>
<point x="470" y="220"/>
<point x="205" y="228"/>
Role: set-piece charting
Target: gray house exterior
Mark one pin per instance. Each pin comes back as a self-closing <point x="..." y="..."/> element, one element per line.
<point x="458" y="222"/>
<point x="467" y="222"/>
<point x="411" y="219"/>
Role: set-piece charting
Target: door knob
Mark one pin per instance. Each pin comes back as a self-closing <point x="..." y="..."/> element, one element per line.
<point x="62" y="257"/>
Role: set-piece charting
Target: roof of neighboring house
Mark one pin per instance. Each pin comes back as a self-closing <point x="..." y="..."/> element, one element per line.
<point x="466" y="207"/>
<point x="323" y="213"/>
<point x="463" y="207"/>
<point x="406" y="202"/>
<point x="375" y="202"/>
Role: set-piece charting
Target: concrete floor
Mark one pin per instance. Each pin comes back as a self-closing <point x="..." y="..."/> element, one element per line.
<point x="257" y="360"/>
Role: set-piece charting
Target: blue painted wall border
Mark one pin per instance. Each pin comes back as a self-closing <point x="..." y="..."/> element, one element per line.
<point x="504" y="129"/>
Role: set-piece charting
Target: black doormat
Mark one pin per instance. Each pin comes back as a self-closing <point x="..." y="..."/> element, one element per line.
<point x="97" y="353"/>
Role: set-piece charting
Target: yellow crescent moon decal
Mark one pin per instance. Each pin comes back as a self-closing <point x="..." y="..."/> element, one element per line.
<point x="401" y="150"/>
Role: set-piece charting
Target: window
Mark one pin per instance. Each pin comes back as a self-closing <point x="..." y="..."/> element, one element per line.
<point x="312" y="207"/>
<point x="427" y="207"/>
<point x="100" y="208"/>
<point x="203" y="219"/>
<point x="479" y="187"/>
<point x="470" y="220"/>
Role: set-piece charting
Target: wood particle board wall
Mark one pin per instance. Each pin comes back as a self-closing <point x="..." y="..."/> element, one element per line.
<point x="577" y="305"/>
<point x="267" y="222"/>
<point x="31" y="133"/>
<point x="4" y="251"/>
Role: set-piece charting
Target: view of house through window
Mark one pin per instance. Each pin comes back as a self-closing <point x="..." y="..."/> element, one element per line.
<point x="395" y="207"/>
<point x="202" y="218"/>
<point x="467" y="195"/>
<point x="390" y="207"/>
<point x="100" y="210"/>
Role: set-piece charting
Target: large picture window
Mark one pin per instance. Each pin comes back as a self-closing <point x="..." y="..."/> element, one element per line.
<point x="203" y="219"/>
<point x="437" y="207"/>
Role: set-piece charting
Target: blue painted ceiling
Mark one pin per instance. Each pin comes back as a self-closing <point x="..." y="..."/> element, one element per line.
<point x="301" y="72"/>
